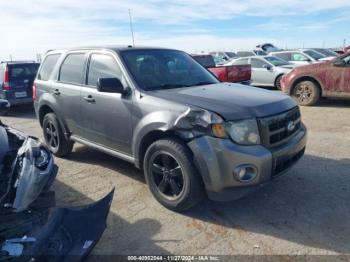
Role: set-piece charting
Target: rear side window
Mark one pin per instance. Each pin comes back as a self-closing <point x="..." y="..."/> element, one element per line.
<point x="72" y="68"/>
<point x="102" y="66"/>
<point x="22" y="71"/>
<point x="47" y="66"/>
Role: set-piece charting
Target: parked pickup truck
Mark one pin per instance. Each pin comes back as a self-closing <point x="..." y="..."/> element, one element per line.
<point x="232" y="73"/>
<point x="162" y="111"/>
<point x="306" y="84"/>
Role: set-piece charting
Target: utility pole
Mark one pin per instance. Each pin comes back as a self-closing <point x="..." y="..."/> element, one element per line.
<point x="131" y="29"/>
<point x="11" y="58"/>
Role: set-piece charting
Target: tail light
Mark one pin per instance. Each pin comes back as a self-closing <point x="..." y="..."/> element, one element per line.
<point x="34" y="91"/>
<point x="6" y="84"/>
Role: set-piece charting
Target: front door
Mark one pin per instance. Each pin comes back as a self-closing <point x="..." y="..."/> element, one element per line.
<point x="260" y="74"/>
<point x="106" y="117"/>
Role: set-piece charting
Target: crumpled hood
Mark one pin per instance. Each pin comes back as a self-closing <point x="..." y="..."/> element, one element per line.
<point x="231" y="101"/>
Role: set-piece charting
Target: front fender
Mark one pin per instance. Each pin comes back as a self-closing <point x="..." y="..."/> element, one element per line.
<point x="155" y="121"/>
<point x="190" y="123"/>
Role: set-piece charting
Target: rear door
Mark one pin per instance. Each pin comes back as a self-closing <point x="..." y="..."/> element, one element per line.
<point x="106" y="117"/>
<point x="67" y="90"/>
<point x="21" y="78"/>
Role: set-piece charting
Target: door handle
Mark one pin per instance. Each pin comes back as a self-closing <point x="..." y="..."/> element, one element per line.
<point x="89" y="99"/>
<point x="56" y="92"/>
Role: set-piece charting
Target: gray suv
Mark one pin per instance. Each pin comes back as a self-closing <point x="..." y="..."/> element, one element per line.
<point x="161" y="110"/>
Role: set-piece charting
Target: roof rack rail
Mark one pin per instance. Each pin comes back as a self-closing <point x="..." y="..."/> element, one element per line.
<point x="19" y="61"/>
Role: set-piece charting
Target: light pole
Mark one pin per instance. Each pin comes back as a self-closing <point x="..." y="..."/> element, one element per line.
<point x="131" y="29"/>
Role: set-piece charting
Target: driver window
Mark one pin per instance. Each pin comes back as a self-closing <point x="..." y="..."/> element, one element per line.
<point x="256" y="63"/>
<point x="102" y="66"/>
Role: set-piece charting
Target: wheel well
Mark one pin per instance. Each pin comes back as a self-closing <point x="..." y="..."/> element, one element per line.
<point x="44" y="110"/>
<point x="149" y="139"/>
<point x="307" y="78"/>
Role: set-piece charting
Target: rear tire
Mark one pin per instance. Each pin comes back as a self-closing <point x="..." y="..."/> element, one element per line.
<point x="54" y="137"/>
<point x="306" y="93"/>
<point x="171" y="175"/>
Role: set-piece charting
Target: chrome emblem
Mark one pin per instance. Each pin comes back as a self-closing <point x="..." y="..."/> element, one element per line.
<point x="290" y="126"/>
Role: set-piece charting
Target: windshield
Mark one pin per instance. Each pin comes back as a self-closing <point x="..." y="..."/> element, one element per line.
<point x="326" y="52"/>
<point x="314" y="55"/>
<point x="260" y="53"/>
<point x="231" y="54"/>
<point x="164" y="69"/>
<point x="276" y="61"/>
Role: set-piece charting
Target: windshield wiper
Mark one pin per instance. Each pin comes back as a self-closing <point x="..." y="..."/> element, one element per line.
<point x="166" y="86"/>
<point x="203" y="83"/>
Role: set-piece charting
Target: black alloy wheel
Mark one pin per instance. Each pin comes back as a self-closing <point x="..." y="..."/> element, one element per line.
<point x="167" y="175"/>
<point x="51" y="135"/>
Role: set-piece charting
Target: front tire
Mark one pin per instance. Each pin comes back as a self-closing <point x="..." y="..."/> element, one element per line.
<point x="54" y="137"/>
<point x="171" y="175"/>
<point x="306" y="93"/>
<point x="278" y="82"/>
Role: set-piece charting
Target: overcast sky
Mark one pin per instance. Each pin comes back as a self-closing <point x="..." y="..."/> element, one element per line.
<point x="29" y="27"/>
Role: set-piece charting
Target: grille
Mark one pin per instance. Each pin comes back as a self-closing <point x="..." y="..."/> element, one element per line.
<point x="274" y="130"/>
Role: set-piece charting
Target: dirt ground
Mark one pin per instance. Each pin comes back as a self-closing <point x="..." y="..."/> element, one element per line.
<point x="306" y="211"/>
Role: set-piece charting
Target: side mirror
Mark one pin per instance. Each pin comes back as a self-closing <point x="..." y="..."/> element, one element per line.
<point x="268" y="67"/>
<point x="339" y="63"/>
<point x="4" y="106"/>
<point x="111" y="85"/>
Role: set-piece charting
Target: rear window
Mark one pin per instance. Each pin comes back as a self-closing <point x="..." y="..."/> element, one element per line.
<point x="72" y="68"/>
<point x="241" y="62"/>
<point x="244" y="53"/>
<point x="22" y="71"/>
<point x="47" y="66"/>
<point x="205" y="60"/>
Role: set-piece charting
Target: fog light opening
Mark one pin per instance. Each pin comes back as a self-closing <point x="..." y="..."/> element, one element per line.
<point x="245" y="173"/>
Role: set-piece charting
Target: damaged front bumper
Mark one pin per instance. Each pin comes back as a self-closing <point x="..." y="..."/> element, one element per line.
<point x="30" y="228"/>
<point x="70" y="234"/>
<point x="216" y="159"/>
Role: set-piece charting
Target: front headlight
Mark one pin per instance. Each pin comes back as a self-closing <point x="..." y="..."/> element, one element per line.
<point x="42" y="159"/>
<point x="243" y="132"/>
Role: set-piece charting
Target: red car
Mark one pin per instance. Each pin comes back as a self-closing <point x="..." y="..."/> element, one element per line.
<point x="233" y="73"/>
<point x="327" y="79"/>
